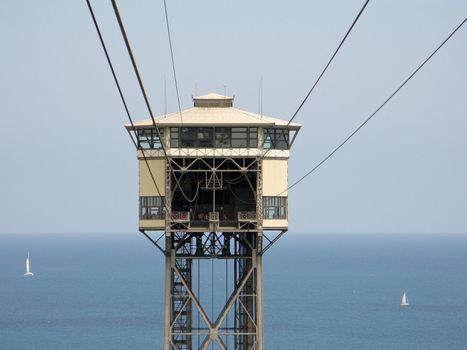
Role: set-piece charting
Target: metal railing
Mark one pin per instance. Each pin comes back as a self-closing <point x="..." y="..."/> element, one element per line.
<point x="180" y="216"/>
<point x="246" y="216"/>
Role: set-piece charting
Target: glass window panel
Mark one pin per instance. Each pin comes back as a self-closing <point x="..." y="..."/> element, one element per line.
<point x="144" y="144"/>
<point x="174" y="137"/>
<point x="148" y="138"/>
<point x="282" y="139"/>
<point x="204" y="137"/>
<point x="239" y="143"/>
<point x="243" y="129"/>
<point x="267" y="141"/>
<point x="197" y="137"/>
<point x="223" y="137"/>
<point x="276" y="138"/>
<point x="253" y="138"/>
<point x="151" y="208"/>
<point x="239" y="135"/>
<point x="275" y="207"/>
<point x="188" y="137"/>
<point x="156" y="140"/>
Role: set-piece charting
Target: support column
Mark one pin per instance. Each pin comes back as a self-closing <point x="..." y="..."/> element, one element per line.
<point x="168" y="291"/>
<point x="259" y="294"/>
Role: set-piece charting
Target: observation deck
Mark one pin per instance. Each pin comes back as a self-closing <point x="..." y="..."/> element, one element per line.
<point x="214" y="142"/>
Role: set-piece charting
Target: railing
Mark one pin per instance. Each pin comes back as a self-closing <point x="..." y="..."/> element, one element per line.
<point x="246" y="216"/>
<point x="181" y="216"/>
<point x="184" y="218"/>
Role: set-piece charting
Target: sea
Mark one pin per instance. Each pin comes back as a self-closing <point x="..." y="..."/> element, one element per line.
<point x="321" y="291"/>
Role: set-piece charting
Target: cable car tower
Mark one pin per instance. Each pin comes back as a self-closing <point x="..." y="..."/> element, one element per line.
<point x="212" y="185"/>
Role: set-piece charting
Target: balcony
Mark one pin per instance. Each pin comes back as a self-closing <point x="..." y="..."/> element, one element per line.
<point x="211" y="221"/>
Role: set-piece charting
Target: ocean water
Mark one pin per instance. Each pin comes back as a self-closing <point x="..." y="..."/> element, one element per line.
<point x="322" y="291"/>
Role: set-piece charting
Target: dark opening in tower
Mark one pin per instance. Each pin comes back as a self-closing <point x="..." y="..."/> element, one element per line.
<point x="224" y="186"/>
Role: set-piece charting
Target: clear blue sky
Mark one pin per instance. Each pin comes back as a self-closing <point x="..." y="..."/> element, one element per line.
<point x="67" y="164"/>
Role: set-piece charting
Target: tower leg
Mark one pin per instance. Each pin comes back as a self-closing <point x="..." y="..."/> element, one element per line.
<point x="168" y="292"/>
<point x="244" y="305"/>
<point x="259" y="294"/>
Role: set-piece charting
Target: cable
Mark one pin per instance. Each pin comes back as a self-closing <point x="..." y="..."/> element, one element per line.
<point x="141" y="85"/>
<point x="238" y="198"/>
<point x="322" y="73"/>
<point x="327" y="65"/>
<point x="194" y="197"/>
<point x="138" y="76"/>
<point x="236" y="180"/>
<point x="124" y="103"/>
<point x="377" y="110"/>
<point x="173" y="61"/>
<point x="111" y="68"/>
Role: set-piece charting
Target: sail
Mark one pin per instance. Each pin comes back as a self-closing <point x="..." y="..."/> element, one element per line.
<point x="28" y="272"/>
<point x="404" y="300"/>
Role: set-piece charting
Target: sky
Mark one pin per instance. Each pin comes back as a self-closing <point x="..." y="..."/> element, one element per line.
<point x="68" y="165"/>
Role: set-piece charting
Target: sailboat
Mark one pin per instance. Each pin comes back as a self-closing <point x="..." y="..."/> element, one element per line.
<point x="28" y="273"/>
<point x="404" y="300"/>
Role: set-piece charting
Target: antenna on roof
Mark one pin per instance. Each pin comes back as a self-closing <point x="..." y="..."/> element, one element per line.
<point x="165" y="95"/>
<point x="225" y="90"/>
<point x="260" y="97"/>
<point x="196" y="89"/>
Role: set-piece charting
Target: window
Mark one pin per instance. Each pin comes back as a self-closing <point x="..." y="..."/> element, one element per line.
<point x="149" y="138"/>
<point x="205" y="137"/>
<point x="151" y="208"/>
<point x="276" y="138"/>
<point x="239" y="137"/>
<point x="223" y="138"/>
<point x="274" y="207"/>
<point x="253" y="137"/>
<point x="196" y="137"/>
<point x="174" y="137"/>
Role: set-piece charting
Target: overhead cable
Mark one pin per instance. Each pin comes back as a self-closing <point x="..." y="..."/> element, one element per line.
<point x="138" y="76"/>
<point x="109" y="61"/>
<point x="173" y="61"/>
<point x="329" y="62"/>
<point x="111" y="68"/>
<point x="141" y="85"/>
<point x="325" y="68"/>
<point x="376" y="111"/>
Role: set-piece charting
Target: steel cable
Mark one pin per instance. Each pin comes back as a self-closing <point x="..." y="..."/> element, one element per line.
<point x="325" y="68"/>
<point x="109" y="61"/>
<point x="173" y="61"/>
<point x="376" y="111"/>
<point x="141" y="85"/>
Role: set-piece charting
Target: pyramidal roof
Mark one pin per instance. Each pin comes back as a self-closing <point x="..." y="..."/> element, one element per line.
<point x="213" y="100"/>
<point x="214" y="110"/>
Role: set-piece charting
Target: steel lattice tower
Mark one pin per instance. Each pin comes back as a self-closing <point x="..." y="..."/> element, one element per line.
<point x="216" y="192"/>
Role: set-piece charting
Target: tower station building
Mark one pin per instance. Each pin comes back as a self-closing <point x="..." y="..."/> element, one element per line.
<point x="213" y="190"/>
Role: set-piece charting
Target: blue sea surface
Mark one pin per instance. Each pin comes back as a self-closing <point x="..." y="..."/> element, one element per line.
<point x="322" y="291"/>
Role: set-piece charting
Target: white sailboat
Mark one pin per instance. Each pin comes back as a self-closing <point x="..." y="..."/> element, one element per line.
<point x="28" y="273"/>
<point x="404" y="300"/>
